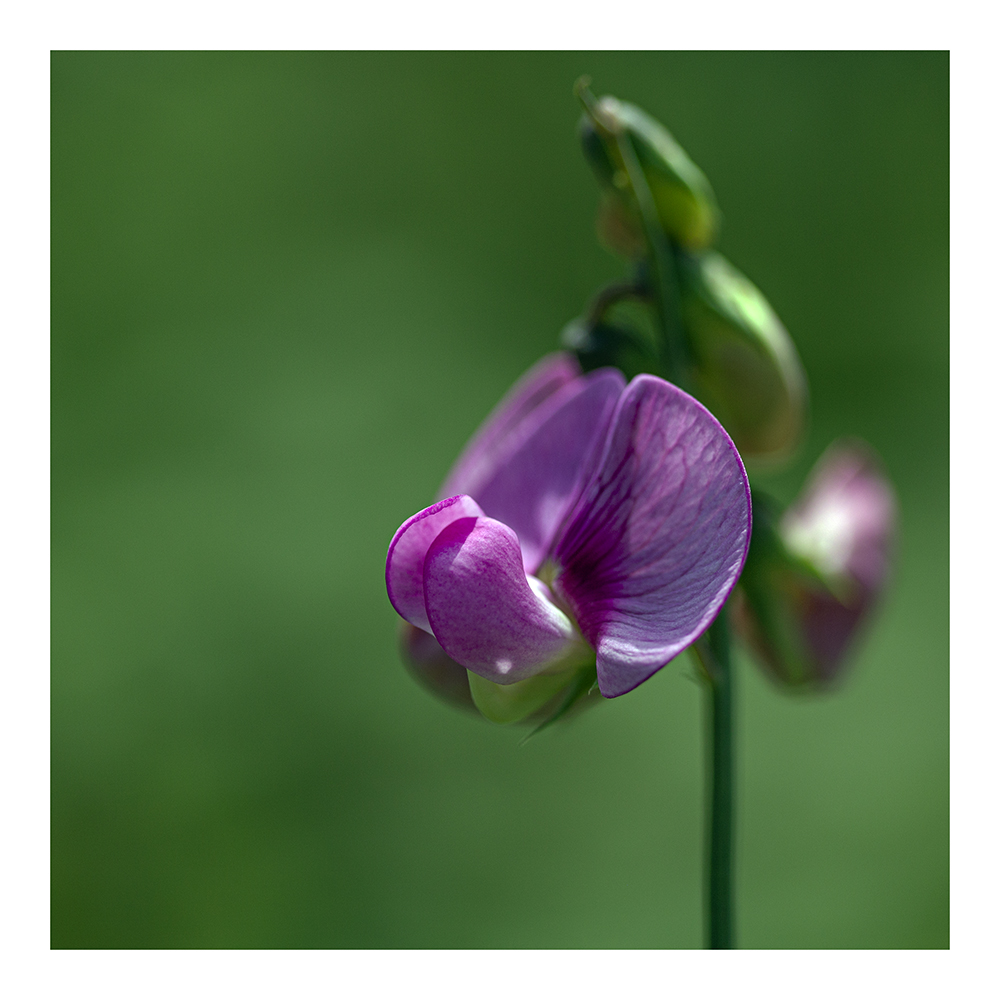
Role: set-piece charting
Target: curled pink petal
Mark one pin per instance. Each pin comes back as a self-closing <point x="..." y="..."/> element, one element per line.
<point x="481" y="456"/>
<point x="658" y="537"/>
<point x="404" y="562"/>
<point x="547" y="460"/>
<point x="484" y="611"/>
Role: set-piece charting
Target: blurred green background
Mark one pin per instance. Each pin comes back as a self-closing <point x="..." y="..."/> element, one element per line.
<point x="285" y="290"/>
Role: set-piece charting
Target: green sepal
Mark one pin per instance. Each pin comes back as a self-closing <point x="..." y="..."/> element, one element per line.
<point x="582" y="686"/>
<point x="745" y="366"/>
<point x="508" y="703"/>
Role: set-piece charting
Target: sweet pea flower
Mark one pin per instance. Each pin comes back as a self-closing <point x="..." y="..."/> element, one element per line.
<point x="587" y="522"/>
<point x="815" y="574"/>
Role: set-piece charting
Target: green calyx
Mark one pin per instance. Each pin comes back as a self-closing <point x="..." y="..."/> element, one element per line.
<point x="745" y="365"/>
<point x="509" y="703"/>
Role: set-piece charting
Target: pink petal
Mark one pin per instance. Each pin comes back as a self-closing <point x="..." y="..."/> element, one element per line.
<point x="845" y="519"/>
<point x="482" y="608"/>
<point x="659" y="536"/>
<point x="547" y="460"/>
<point x="433" y="667"/>
<point x="844" y="524"/>
<point x="479" y="459"/>
<point x="404" y="563"/>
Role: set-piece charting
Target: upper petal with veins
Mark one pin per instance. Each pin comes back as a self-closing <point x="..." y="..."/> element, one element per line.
<point x="659" y="536"/>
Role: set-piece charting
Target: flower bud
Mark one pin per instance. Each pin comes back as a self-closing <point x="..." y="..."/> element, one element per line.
<point x="746" y="368"/>
<point x="814" y="574"/>
<point x="684" y="200"/>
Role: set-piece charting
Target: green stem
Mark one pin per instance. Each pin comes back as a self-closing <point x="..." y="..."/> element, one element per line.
<point x="720" y="821"/>
<point x="611" y="294"/>
<point x="673" y="347"/>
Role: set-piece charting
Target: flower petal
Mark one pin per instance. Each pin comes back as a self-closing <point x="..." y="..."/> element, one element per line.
<point x="484" y="611"/>
<point x="404" y="562"/>
<point x="433" y="667"/>
<point x="658" y="537"/>
<point x="844" y="525"/>
<point x="545" y="461"/>
<point x="844" y="522"/>
<point x="479" y="459"/>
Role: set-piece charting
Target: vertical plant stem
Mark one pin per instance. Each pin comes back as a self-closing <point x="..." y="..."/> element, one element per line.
<point x="713" y="648"/>
<point x="673" y="346"/>
<point x="716" y="658"/>
<point x="720" y="818"/>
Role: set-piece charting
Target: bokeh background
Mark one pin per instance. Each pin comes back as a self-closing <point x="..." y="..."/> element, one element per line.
<point x="285" y="289"/>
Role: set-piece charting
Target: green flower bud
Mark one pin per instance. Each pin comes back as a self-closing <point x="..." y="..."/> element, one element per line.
<point x="746" y="368"/>
<point x="684" y="200"/>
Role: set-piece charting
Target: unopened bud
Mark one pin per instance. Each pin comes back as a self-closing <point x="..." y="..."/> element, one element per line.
<point x="814" y="574"/>
<point x="684" y="200"/>
<point x="746" y="368"/>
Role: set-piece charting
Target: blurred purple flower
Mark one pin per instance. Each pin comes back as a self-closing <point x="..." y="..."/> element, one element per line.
<point x="585" y="516"/>
<point x="815" y="575"/>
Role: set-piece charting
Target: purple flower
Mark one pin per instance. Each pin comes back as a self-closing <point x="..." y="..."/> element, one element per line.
<point x="814" y="576"/>
<point x="585" y="519"/>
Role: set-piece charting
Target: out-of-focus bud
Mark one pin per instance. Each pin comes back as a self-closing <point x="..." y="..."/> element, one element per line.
<point x="684" y="200"/>
<point x="746" y="368"/>
<point x="605" y="344"/>
<point x="814" y="574"/>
